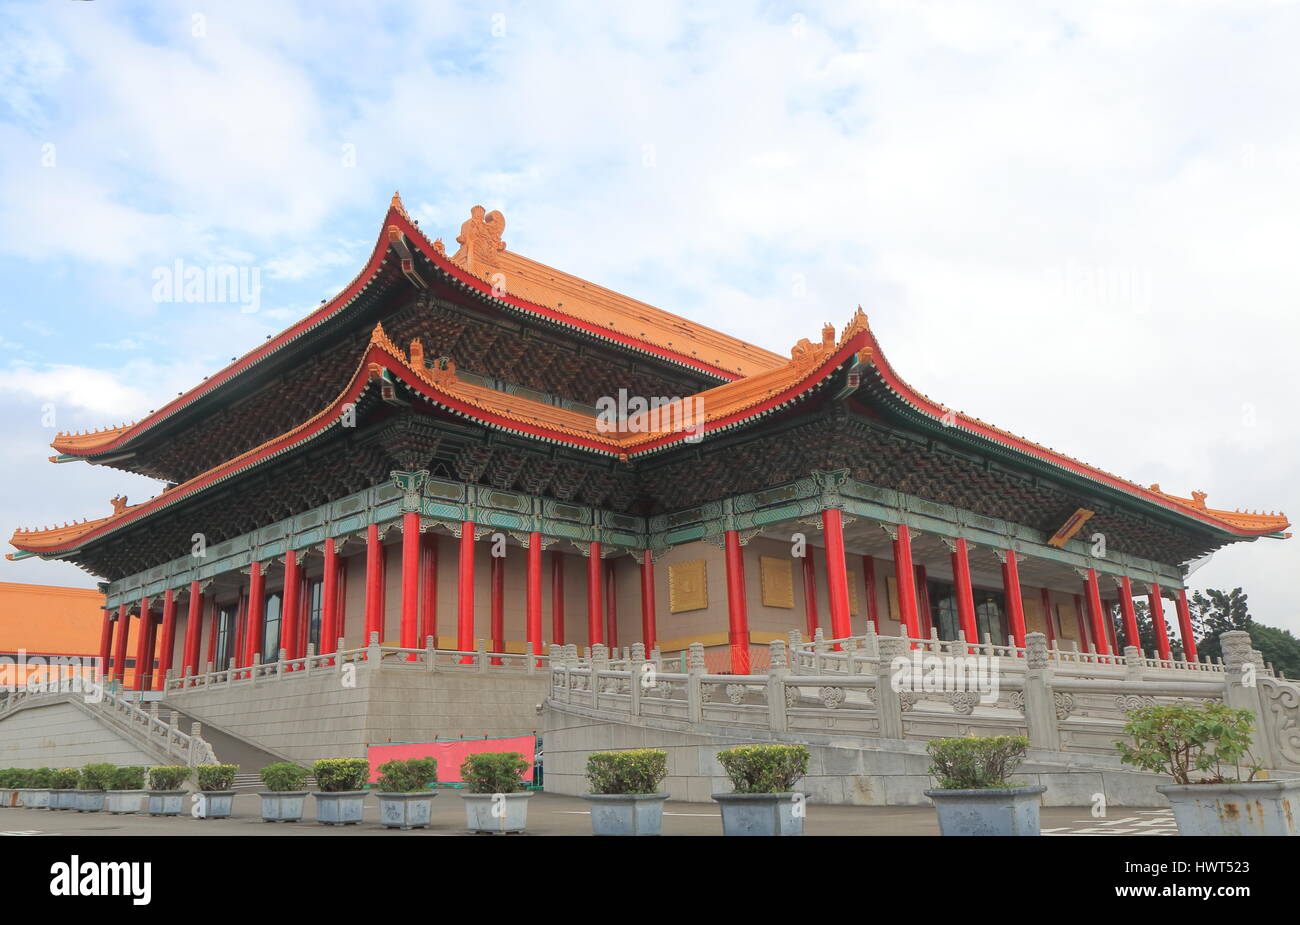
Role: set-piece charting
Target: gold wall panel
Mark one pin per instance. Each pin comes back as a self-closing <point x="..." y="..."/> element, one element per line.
<point x="777" y="577"/>
<point x="688" y="586"/>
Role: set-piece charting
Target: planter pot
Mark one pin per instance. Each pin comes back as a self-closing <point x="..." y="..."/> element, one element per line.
<point x="8" y="797"/>
<point x="760" y="813"/>
<point x="166" y="802"/>
<point x="406" y="810"/>
<point x="1011" y="811"/>
<point x="217" y="804"/>
<point x="496" y="812"/>
<point x="89" y="801"/>
<point x="35" y="798"/>
<point x="126" y="801"/>
<point x="63" y="799"/>
<point x="283" y="806"/>
<point x="344" y="807"/>
<point x="1262" y="807"/>
<point x="626" y="813"/>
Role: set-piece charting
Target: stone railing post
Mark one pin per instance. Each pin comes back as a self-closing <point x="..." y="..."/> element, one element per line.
<point x="430" y="653"/>
<point x="374" y="655"/>
<point x="1134" y="664"/>
<point x="850" y="650"/>
<point x="599" y="663"/>
<point x="694" y="672"/>
<point x="871" y="642"/>
<point x="481" y="656"/>
<point x="819" y="646"/>
<point x="889" y="709"/>
<point x="637" y="675"/>
<point x="279" y="663"/>
<point x="1040" y="701"/>
<point x="1241" y="690"/>
<point x="777" y="672"/>
<point x="230" y="672"/>
<point x="311" y="657"/>
<point x="254" y="668"/>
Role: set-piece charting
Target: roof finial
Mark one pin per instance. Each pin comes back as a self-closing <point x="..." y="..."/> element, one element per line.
<point x="397" y="206"/>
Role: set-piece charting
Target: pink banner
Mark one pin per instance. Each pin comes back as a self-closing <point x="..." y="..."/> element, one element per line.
<point x="451" y="754"/>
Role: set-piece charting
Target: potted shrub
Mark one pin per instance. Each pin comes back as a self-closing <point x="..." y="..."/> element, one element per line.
<point x="93" y="781"/>
<point x="763" y="779"/>
<point x="11" y="782"/>
<point x="975" y="795"/>
<point x="63" y="788"/>
<point x="405" y="800"/>
<point x="625" y="797"/>
<point x="342" y="797"/>
<point x="126" y="791"/>
<point x="1206" y="750"/>
<point x="216" y="790"/>
<point x="496" y="800"/>
<point x="166" y="798"/>
<point x="36" y="788"/>
<point x="284" y="797"/>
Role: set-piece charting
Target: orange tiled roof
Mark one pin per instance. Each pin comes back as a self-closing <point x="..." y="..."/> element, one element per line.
<point x="493" y="270"/>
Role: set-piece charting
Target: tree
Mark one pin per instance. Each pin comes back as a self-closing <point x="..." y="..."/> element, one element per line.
<point x="1215" y="612"/>
<point x="1280" y="648"/>
<point x="1147" y="632"/>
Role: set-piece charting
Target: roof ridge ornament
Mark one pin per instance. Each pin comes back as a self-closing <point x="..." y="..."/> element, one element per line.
<point x="396" y="205"/>
<point x="480" y="240"/>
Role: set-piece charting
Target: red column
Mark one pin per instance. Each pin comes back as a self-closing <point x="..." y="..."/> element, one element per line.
<point x="533" y="594"/>
<point x="962" y="588"/>
<point x="256" y="614"/>
<point x="168" y="639"/>
<point x="374" y="622"/>
<point x="212" y="634"/>
<point x="595" y="631"/>
<point x="648" y="628"/>
<point x="498" y="611"/>
<point x="737" y="611"/>
<point x="557" y="598"/>
<point x="143" y="646"/>
<point x="1129" y="613"/>
<point x="905" y="578"/>
<point x="429" y="588"/>
<point x="123" y="633"/>
<point x="193" y="631"/>
<point x="611" y="605"/>
<point x="465" y="598"/>
<point x="1049" y="618"/>
<point x="329" y="598"/>
<point x="924" y="618"/>
<point x="1185" y="626"/>
<point x="837" y="576"/>
<point x="241" y="628"/>
<point x="289" y="609"/>
<point x="810" y="591"/>
<point x="1098" y="617"/>
<point x="408" y="637"/>
<point x="869" y="580"/>
<point x="1158" y="619"/>
<point x="105" y="644"/>
<point x="1011" y="591"/>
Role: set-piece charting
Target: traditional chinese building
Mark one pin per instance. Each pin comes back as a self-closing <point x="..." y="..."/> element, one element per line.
<point x="478" y="446"/>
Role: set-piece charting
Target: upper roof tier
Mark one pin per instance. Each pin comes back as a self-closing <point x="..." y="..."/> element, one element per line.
<point x="710" y="413"/>
<point x="484" y="267"/>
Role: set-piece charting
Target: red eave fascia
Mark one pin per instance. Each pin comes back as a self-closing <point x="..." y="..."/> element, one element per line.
<point x="938" y="412"/>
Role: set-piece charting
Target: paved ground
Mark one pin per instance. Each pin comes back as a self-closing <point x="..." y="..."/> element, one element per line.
<point x="550" y="814"/>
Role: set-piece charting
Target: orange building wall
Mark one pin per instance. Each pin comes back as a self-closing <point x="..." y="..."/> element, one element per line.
<point x="44" y="620"/>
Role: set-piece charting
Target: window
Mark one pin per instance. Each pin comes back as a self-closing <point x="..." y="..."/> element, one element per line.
<point x="271" y="628"/>
<point x="990" y="615"/>
<point x="226" y="616"/>
<point x="315" y="600"/>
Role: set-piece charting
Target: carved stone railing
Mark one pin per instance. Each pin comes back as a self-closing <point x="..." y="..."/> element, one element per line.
<point x="864" y="692"/>
<point x="145" y="727"/>
<point x="385" y="658"/>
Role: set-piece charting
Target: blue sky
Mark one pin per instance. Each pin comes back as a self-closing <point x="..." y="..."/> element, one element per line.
<point x="1075" y="220"/>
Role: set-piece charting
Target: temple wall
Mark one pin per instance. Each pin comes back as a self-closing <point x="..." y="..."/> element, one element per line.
<point x="62" y="735"/>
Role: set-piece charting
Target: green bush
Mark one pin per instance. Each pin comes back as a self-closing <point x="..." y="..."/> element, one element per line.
<point x="126" y="779"/>
<point x="65" y="779"/>
<point x="284" y="776"/>
<point x="216" y="777"/>
<point x="638" y="770"/>
<point x="40" y="779"/>
<point x="494" y="772"/>
<point x="409" y="776"/>
<point x="96" y="776"/>
<point x="1183" y="739"/>
<point x="334" y="775"/>
<point x="12" y="778"/>
<point x="764" y="768"/>
<point x="976" y="762"/>
<point x="167" y="777"/>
